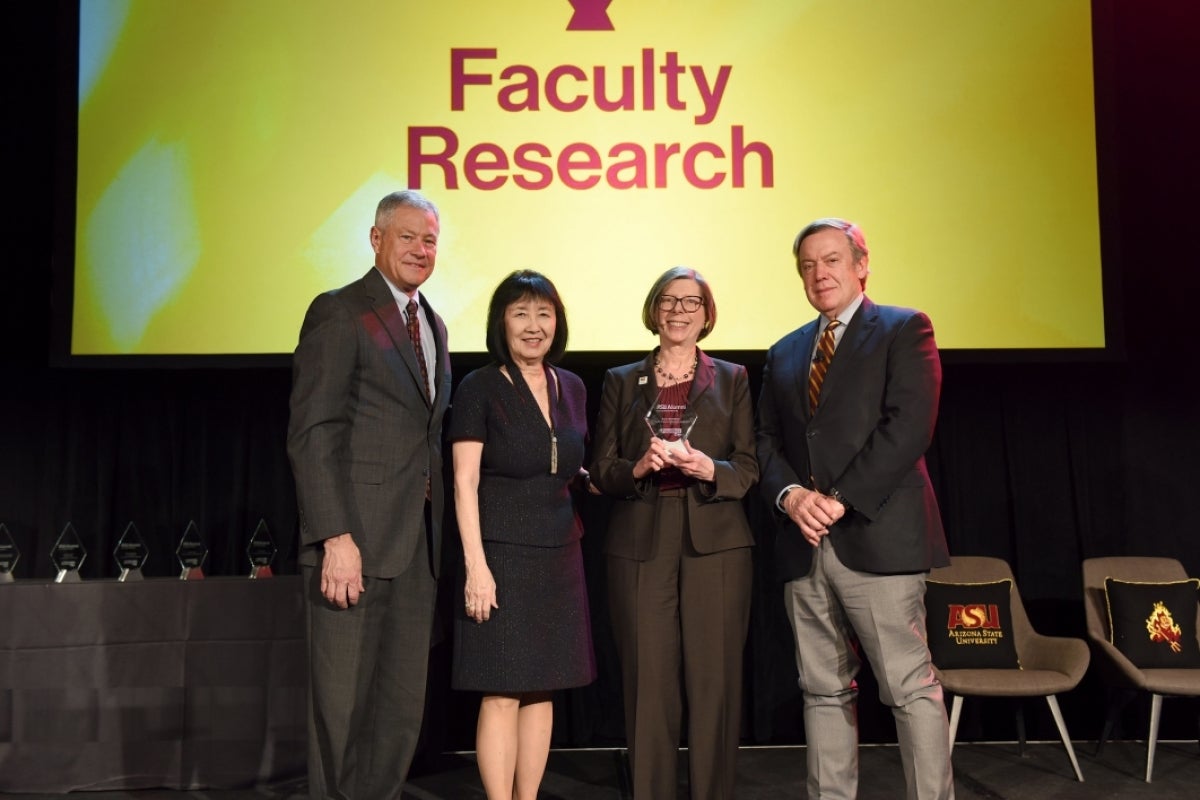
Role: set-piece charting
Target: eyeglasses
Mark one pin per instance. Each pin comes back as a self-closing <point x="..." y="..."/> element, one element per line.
<point x="669" y="302"/>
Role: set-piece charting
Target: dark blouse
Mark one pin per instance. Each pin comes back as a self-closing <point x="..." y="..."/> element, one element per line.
<point x="520" y="500"/>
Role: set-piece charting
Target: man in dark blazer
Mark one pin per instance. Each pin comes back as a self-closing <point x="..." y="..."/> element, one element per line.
<point x="860" y="526"/>
<point x="371" y="383"/>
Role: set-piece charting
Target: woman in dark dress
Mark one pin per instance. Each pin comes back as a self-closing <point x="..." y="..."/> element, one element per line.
<point x="518" y="429"/>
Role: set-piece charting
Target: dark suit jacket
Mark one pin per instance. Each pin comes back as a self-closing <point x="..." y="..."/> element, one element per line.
<point x="867" y="439"/>
<point x="362" y="437"/>
<point x="724" y="431"/>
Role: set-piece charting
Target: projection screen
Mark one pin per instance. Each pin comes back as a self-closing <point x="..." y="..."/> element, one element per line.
<point x="231" y="154"/>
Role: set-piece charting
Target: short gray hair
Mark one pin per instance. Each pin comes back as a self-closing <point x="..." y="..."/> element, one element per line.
<point x="409" y="198"/>
<point x="854" y="235"/>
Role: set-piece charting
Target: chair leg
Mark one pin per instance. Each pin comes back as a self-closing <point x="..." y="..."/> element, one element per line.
<point x="1152" y="736"/>
<point x="1052" y="701"/>
<point x="955" y="710"/>
<point x="1020" y="729"/>
<point x="1117" y="700"/>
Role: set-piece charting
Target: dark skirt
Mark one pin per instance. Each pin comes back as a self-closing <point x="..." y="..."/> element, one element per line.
<point x="540" y="638"/>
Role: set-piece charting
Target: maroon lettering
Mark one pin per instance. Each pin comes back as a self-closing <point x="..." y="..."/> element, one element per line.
<point x="485" y="157"/>
<point x="636" y="162"/>
<point x="710" y="95"/>
<point x="625" y="103"/>
<point x="648" y="78"/>
<point x="671" y="70"/>
<point x="543" y="171"/>
<point x="741" y="150"/>
<point x="460" y="79"/>
<point x="568" y="165"/>
<point x="689" y="165"/>
<point x="487" y="166"/>
<point x="973" y="616"/>
<point x="525" y="88"/>
<point x="417" y="158"/>
<point x="663" y="152"/>
<point x="528" y="85"/>
<point x="552" y="95"/>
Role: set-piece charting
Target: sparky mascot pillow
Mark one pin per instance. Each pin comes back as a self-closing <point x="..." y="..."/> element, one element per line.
<point x="1154" y="624"/>
<point x="970" y="625"/>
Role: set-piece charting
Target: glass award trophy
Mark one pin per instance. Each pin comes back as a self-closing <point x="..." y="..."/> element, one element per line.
<point x="191" y="553"/>
<point x="261" y="551"/>
<point x="10" y="554"/>
<point x="672" y="424"/>
<point x="131" y="554"/>
<point x="68" y="555"/>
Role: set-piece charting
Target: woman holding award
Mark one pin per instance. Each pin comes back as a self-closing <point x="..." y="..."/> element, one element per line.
<point x="675" y="447"/>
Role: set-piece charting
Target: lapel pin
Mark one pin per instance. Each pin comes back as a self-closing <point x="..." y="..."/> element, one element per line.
<point x="642" y="380"/>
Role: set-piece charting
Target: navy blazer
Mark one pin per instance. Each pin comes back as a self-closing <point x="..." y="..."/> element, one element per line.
<point x="724" y="431"/>
<point x="867" y="439"/>
<point x="363" y="438"/>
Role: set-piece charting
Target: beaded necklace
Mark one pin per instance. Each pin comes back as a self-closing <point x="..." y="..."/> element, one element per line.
<point x="681" y="378"/>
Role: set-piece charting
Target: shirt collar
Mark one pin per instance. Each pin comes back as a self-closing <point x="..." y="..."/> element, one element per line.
<point x="847" y="314"/>
<point x="401" y="298"/>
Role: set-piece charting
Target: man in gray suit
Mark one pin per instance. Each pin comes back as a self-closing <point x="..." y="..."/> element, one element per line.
<point x="847" y="410"/>
<point x="370" y="385"/>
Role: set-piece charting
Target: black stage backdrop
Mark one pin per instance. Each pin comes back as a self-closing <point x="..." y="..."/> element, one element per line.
<point x="1042" y="463"/>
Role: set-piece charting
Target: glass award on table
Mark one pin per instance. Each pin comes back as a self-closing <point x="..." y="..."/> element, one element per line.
<point x="68" y="555"/>
<point x="672" y="424"/>
<point x="191" y="553"/>
<point x="10" y="554"/>
<point x="261" y="551"/>
<point x="130" y="554"/>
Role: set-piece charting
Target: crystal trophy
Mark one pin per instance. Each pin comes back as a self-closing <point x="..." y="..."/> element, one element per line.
<point x="68" y="555"/>
<point x="131" y="554"/>
<point x="672" y="424"/>
<point x="10" y="554"/>
<point x="191" y="553"/>
<point x="261" y="551"/>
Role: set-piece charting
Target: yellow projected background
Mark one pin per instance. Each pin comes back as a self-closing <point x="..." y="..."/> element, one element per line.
<point x="231" y="155"/>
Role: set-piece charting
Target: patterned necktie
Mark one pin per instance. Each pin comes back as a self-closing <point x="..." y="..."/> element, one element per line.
<point x="820" y="364"/>
<point x="414" y="333"/>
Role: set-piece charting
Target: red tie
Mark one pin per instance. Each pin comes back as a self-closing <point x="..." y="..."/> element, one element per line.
<point x="414" y="333"/>
<point x="820" y="364"/>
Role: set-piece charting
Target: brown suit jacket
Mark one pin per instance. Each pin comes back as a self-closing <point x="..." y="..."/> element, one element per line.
<point x="724" y="431"/>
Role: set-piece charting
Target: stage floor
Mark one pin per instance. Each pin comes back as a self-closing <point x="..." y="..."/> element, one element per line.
<point x="993" y="771"/>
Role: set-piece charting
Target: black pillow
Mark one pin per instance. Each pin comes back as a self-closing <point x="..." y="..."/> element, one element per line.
<point x="1154" y="624"/>
<point x="970" y="625"/>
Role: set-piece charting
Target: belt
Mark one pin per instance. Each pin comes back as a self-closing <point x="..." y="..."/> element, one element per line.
<point x="672" y="492"/>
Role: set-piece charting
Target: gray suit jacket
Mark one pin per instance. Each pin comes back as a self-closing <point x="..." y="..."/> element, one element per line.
<point x="363" y="439"/>
<point x="867" y="439"/>
<point x="724" y="431"/>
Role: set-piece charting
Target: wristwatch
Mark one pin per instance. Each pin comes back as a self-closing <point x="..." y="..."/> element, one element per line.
<point x="783" y="496"/>
<point x="836" y="495"/>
